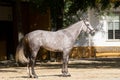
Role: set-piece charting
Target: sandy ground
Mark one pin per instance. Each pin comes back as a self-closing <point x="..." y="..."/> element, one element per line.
<point x="89" y="69"/>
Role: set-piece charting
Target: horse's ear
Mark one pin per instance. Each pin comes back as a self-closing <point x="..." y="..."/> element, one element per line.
<point x="80" y="19"/>
<point x="85" y="17"/>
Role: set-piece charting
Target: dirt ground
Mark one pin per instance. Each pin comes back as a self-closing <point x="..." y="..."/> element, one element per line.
<point x="83" y="69"/>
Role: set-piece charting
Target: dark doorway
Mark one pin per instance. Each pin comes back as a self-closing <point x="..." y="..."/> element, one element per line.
<point x="6" y="35"/>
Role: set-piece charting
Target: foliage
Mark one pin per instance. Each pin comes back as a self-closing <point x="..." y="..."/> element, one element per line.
<point x="74" y="8"/>
<point x="97" y="4"/>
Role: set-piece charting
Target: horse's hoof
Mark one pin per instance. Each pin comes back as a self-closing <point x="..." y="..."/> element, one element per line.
<point x="33" y="76"/>
<point x="66" y="75"/>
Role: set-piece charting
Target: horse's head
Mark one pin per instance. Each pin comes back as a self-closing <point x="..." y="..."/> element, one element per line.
<point x="87" y="27"/>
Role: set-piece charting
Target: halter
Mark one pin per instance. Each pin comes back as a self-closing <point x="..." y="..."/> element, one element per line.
<point x="88" y="27"/>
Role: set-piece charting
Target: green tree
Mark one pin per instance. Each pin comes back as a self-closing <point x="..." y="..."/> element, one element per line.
<point x="97" y="4"/>
<point x="64" y="10"/>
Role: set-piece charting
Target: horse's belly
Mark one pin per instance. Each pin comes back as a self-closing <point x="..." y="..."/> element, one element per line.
<point x="53" y="48"/>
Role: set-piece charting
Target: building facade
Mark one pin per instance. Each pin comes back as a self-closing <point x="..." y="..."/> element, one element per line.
<point x="106" y="41"/>
<point x="15" y="20"/>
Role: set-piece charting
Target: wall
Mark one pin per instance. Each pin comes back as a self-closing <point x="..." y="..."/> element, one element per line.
<point x="5" y="13"/>
<point x="100" y="42"/>
<point x="5" y="16"/>
<point x="31" y="20"/>
<point x="39" y="20"/>
<point x="100" y="37"/>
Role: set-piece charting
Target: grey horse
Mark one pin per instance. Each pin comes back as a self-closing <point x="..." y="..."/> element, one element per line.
<point x="58" y="41"/>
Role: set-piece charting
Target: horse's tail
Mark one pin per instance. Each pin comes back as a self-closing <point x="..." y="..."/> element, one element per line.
<point x="21" y="52"/>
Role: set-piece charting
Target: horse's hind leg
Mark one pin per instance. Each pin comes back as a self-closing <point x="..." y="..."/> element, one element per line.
<point x="28" y="69"/>
<point x="31" y="65"/>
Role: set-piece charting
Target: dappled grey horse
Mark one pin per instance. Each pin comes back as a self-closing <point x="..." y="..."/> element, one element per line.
<point x="58" y="41"/>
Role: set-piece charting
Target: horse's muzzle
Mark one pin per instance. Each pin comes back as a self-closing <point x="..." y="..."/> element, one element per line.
<point x="92" y="32"/>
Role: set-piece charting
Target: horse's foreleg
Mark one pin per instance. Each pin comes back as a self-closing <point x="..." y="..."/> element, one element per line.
<point x="65" y="64"/>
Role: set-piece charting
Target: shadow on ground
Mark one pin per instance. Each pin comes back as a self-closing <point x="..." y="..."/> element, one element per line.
<point x="86" y="63"/>
<point x="81" y="63"/>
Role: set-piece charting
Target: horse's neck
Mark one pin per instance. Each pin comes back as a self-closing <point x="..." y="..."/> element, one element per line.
<point x="75" y="29"/>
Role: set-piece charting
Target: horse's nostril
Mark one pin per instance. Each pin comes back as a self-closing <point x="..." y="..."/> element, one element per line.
<point x="93" y="32"/>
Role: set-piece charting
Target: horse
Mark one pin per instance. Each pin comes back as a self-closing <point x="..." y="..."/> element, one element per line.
<point x="58" y="41"/>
